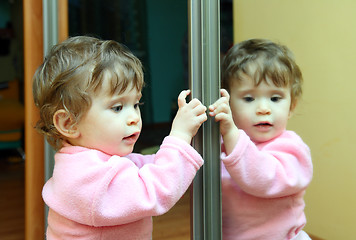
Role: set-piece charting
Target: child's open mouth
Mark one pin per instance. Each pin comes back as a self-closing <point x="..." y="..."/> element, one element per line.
<point x="263" y="125"/>
<point x="132" y="138"/>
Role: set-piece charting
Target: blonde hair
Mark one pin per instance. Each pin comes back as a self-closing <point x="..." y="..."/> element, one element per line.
<point x="72" y="71"/>
<point x="262" y="60"/>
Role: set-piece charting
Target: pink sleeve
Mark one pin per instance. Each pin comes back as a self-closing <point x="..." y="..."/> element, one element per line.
<point x="140" y="160"/>
<point x="117" y="191"/>
<point x="278" y="168"/>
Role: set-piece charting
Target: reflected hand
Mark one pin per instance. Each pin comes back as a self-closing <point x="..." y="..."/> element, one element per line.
<point x="222" y="112"/>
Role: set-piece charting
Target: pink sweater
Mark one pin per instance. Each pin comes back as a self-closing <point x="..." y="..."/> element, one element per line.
<point x="92" y="195"/>
<point x="263" y="187"/>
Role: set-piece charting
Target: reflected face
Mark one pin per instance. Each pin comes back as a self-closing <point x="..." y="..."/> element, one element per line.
<point x="261" y="111"/>
<point x="113" y="123"/>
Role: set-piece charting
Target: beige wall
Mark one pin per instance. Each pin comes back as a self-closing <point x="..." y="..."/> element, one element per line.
<point x="322" y="34"/>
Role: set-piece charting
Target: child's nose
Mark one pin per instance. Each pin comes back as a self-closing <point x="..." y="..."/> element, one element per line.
<point x="263" y="108"/>
<point x="133" y="117"/>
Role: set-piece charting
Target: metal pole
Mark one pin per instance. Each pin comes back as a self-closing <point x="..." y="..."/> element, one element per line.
<point x="195" y="82"/>
<point x="204" y="57"/>
<point x="50" y="38"/>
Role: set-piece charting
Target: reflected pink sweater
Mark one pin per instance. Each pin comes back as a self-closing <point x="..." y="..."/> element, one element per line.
<point x="92" y="195"/>
<point x="263" y="187"/>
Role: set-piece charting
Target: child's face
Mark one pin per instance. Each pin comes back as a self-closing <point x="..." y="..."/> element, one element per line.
<point x="113" y="123"/>
<point x="261" y="111"/>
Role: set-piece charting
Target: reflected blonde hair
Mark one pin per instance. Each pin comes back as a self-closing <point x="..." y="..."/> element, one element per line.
<point x="73" y="71"/>
<point x="262" y="60"/>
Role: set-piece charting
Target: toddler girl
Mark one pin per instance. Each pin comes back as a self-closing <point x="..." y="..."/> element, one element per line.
<point x="266" y="168"/>
<point x="88" y="92"/>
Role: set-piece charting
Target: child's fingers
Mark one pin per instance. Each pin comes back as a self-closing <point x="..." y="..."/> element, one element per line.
<point x="200" y="109"/>
<point x="200" y="113"/>
<point x="212" y="109"/>
<point x="222" y="106"/>
<point x="224" y="93"/>
<point x="195" y="107"/>
<point x="225" y="97"/>
<point x="221" y="117"/>
<point x="195" y="103"/>
<point x="212" y="113"/>
<point x="213" y="106"/>
<point x="202" y="118"/>
<point x="182" y="98"/>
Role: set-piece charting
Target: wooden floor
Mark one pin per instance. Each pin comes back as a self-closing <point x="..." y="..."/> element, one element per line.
<point x="175" y="224"/>
<point x="12" y="204"/>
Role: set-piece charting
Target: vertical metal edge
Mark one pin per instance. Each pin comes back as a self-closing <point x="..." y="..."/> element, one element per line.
<point x="211" y="134"/>
<point x="195" y="83"/>
<point x="50" y="38"/>
<point x="204" y="57"/>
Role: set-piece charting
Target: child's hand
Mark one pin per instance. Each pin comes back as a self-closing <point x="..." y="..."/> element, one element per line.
<point x="189" y="117"/>
<point x="222" y="112"/>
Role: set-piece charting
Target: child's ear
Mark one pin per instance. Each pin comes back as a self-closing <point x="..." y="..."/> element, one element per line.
<point x="291" y="110"/>
<point x="63" y="122"/>
<point x="290" y="113"/>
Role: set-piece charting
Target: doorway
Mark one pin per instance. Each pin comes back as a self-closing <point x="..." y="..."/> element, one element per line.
<point x="12" y="163"/>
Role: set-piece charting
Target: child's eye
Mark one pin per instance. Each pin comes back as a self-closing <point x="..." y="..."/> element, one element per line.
<point x="137" y="105"/>
<point x="117" y="108"/>
<point x="248" y="99"/>
<point x="275" y="98"/>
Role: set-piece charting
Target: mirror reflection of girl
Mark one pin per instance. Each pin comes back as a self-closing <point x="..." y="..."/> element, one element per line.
<point x="88" y="92"/>
<point x="266" y="168"/>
